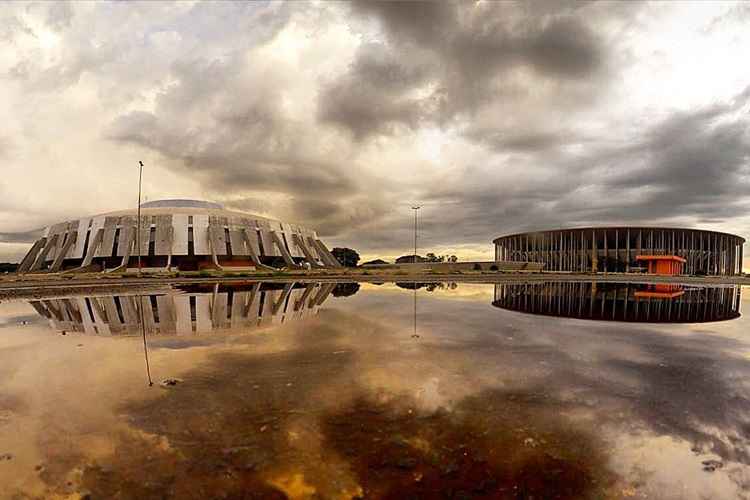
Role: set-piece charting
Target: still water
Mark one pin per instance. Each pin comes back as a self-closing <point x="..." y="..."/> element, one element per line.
<point x="430" y="390"/>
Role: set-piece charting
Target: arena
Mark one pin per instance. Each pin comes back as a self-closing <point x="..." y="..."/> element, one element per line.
<point x="175" y="234"/>
<point x="623" y="249"/>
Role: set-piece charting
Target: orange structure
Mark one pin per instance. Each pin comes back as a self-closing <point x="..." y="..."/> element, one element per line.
<point x="660" y="291"/>
<point x="663" y="264"/>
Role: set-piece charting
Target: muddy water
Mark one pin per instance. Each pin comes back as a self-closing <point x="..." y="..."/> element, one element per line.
<point x="377" y="391"/>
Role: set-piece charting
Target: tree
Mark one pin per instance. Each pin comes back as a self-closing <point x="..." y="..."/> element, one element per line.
<point x="345" y="289"/>
<point x="346" y="256"/>
<point x="452" y="258"/>
<point x="7" y="267"/>
<point x="431" y="257"/>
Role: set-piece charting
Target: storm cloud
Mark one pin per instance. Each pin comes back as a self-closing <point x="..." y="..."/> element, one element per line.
<point x="493" y="116"/>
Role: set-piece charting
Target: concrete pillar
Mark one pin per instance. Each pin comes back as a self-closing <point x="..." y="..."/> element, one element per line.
<point x="32" y="255"/>
<point x="283" y="250"/>
<point x="69" y="242"/>
<point x="324" y="253"/>
<point x="42" y="257"/>
<point x="627" y="249"/>
<point x="742" y="248"/>
<point x="296" y="239"/>
<point x="617" y="246"/>
<point x="594" y="253"/>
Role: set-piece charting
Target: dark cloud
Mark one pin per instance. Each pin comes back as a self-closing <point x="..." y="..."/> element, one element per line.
<point x="445" y="59"/>
<point x="529" y="141"/>
<point x="234" y="145"/>
<point x="690" y="164"/>
<point x="21" y="237"/>
<point x="356" y="101"/>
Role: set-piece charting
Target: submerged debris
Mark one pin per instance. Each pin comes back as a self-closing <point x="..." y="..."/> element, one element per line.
<point x="712" y="465"/>
<point x="169" y="382"/>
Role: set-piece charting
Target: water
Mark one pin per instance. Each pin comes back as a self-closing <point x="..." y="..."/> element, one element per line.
<point x="545" y="390"/>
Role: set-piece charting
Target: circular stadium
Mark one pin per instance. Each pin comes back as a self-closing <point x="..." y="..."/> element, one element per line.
<point x="175" y="234"/>
<point x="626" y="249"/>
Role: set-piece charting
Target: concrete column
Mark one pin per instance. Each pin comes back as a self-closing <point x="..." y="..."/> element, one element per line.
<point x="251" y="246"/>
<point x="42" y="257"/>
<point x="627" y="259"/>
<point x="284" y="252"/>
<point x="640" y="241"/>
<point x="69" y="242"/>
<point x="742" y="249"/>
<point x="617" y="246"/>
<point x="32" y="255"/>
<point x="325" y="255"/>
<point x="93" y="247"/>
<point x="594" y="253"/>
<point x="311" y="259"/>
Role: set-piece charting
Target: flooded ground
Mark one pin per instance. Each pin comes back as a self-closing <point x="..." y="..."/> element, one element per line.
<point x="274" y="390"/>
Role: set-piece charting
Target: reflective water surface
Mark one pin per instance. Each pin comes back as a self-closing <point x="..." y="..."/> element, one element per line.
<point x="427" y="390"/>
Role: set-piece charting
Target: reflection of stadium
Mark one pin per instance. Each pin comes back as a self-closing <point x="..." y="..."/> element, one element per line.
<point x="181" y="234"/>
<point x="621" y="302"/>
<point x="200" y="309"/>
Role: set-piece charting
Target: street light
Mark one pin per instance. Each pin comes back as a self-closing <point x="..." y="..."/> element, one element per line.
<point x="138" y="224"/>
<point x="415" y="231"/>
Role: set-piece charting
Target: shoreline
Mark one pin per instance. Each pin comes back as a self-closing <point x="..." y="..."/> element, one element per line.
<point x="12" y="286"/>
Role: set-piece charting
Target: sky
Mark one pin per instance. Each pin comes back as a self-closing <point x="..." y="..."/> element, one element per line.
<point x="495" y="117"/>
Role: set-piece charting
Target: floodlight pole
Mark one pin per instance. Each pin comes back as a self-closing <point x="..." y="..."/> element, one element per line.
<point x="138" y="224"/>
<point x="415" y="231"/>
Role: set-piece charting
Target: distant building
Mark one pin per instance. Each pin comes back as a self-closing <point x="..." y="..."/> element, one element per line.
<point x="615" y="249"/>
<point x="408" y="259"/>
<point x="376" y="262"/>
<point x="178" y="234"/>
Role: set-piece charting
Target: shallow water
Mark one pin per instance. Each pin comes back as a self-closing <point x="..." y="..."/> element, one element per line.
<point x="552" y="390"/>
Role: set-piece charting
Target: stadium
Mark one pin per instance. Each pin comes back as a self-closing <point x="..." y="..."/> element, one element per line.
<point x="175" y="234"/>
<point x="626" y="249"/>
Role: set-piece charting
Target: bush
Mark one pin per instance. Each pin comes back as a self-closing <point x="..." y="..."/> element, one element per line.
<point x="477" y="267"/>
<point x="493" y="267"/>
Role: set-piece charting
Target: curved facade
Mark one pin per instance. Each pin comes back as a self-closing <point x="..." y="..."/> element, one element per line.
<point x="636" y="303"/>
<point x="194" y="310"/>
<point x="614" y="249"/>
<point x="175" y="234"/>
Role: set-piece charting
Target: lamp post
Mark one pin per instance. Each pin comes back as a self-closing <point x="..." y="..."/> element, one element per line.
<point x="415" y="208"/>
<point x="138" y="224"/>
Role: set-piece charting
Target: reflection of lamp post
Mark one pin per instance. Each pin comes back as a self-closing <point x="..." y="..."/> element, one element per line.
<point x="414" y="335"/>
<point x="140" y="297"/>
<point x="415" y="231"/>
<point x="143" y="332"/>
